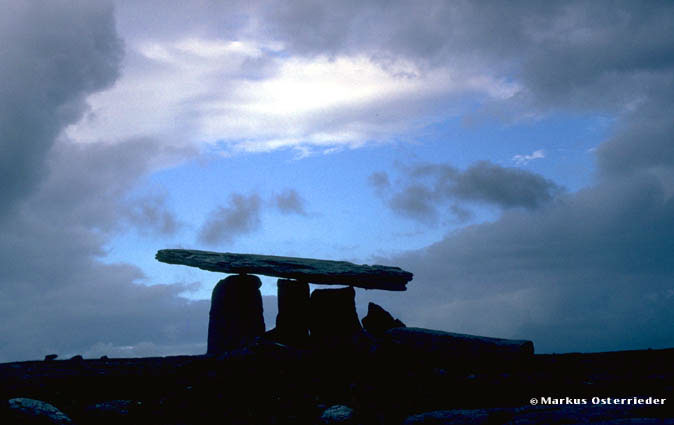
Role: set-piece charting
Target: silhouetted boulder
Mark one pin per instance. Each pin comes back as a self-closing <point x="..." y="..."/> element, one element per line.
<point x="29" y="411"/>
<point x="236" y="317"/>
<point x="438" y="346"/>
<point x="292" y="320"/>
<point x="379" y="320"/>
<point x="333" y="314"/>
<point x="50" y="357"/>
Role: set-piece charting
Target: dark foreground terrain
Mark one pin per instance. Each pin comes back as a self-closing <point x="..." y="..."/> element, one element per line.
<point x="370" y="383"/>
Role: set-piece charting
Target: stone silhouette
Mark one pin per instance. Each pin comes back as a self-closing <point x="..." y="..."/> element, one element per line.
<point x="379" y="320"/>
<point x="236" y="317"/>
<point x="292" y="320"/>
<point x="333" y="314"/>
<point x="458" y="349"/>
<point x="308" y="270"/>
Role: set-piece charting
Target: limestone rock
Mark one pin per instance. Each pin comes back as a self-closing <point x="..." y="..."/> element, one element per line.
<point x="337" y="414"/>
<point x="236" y="316"/>
<point x="303" y="269"/>
<point x="333" y="314"/>
<point x="28" y="410"/>
<point x="379" y="320"/>
<point x="292" y="320"/>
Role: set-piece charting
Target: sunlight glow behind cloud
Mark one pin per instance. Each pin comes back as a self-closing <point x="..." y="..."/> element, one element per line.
<point x="249" y="96"/>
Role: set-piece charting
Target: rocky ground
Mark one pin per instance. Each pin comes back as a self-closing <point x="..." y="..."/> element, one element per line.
<point x="361" y="381"/>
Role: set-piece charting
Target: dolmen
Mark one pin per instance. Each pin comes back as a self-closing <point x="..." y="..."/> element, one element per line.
<point x="236" y="304"/>
<point x="324" y="317"/>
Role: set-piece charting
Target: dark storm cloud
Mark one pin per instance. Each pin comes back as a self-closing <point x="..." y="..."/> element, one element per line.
<point x="504" y="186"/>
<point x="585" y="271"/>
<point x="590" y="271"/>
<point x="51" y="58"/>
<point x="240" y="216"/>
<point x="56" y="295"/>
<point x="572" y="54"/>
<point x="290" y="202"/>
<point x="643" y="139"/>
<point x="428" y="188"/>
<point x="64" y="201"/>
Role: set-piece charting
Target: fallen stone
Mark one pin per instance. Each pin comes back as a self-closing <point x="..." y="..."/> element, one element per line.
<point x="302" y="269"/>
<point x="292" y="320"/>
<point x="236" y="316"/>
<point x="76" y="358"/>
<point x="333" y="314"/>
<point x="434" y="345"/>
<point x="28" y="410"/>
<point x="379" y="320"/>
<point x="337" y="414"/>
<point x="50" y="357"/>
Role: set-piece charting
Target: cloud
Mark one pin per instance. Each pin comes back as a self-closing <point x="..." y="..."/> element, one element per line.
<point x="589" y="272"/>
<point x="427" y="188"/>
<point x="379" y="180"/>
<point x="564" y="53"/>
<point x="63" y="201"/>
<point x="525" y="159"/>
<point x="52" y="57"/>
<point x="57" y="296"/>
<point x="241" y="216"/>
<point x="243" y="78"/>
<point x="643" y="138"/>
<point x="586" y="271"/>
<point x="290" y="202"/>
<point x="151" y="215"/>
<point x="229" y="80"/>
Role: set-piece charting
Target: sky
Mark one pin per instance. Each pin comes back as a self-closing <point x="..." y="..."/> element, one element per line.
<point x="517" y="157"/>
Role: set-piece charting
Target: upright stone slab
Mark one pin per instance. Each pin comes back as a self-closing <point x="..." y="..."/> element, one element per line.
<point x="292" y="320"/>
<point x="333" y="314"/>
<point x="236" y="313"/>
<point x="379" y="320"/>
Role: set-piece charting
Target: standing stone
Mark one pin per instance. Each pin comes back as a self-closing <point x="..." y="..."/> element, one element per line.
<point x="379" y="320"/>
<point x="236" y="313"/>
<point x="292" y="320"/>
<point x="333" y="314"/>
